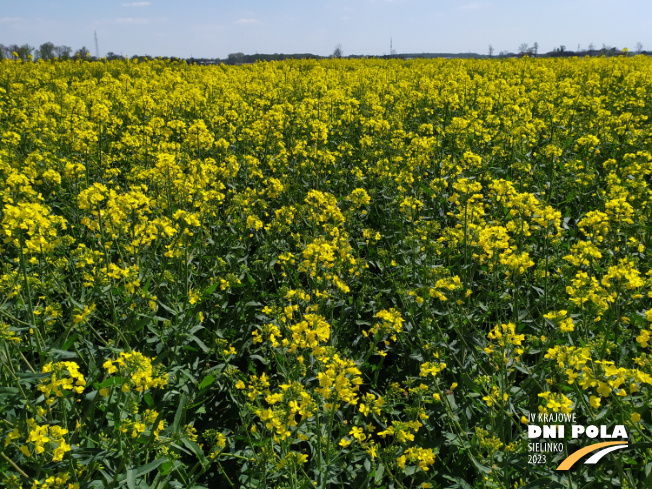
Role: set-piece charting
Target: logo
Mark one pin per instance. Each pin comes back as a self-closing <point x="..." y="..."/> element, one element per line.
<point x="607" y="447"/>
<point x="548" y="437"/>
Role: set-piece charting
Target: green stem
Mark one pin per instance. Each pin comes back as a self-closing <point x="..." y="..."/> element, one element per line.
<point x="29" y="301"/>
<point x="328" y="443"/>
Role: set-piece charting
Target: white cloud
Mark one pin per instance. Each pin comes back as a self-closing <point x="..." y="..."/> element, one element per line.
<point x="247" y="21"/>
<point x="136" y="4"/>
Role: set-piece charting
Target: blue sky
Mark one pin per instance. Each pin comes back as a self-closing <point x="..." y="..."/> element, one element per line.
<point x="213" y="29"/>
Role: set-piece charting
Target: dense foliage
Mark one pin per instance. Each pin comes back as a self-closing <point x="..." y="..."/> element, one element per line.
<point x="322" y="273"/>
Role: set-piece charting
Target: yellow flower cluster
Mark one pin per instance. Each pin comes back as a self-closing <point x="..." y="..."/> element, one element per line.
<point x="309" y="333"/>
<point x="31" y="225"/>
<point x="45" y="437"/>
<point x="603" y="375"/>
<point x="424" y="457"/>
<point x="392" y="323"/>
<point x="556" y="402"/>
<point x="559" y="318"/>
<point x="281" y="418"/>
<point x="403" y="431"/>
<point x="138" y="370"/>
<point x="65" y="376"/>
<point x="505" y="337"/>
<point x="339" y="379"/>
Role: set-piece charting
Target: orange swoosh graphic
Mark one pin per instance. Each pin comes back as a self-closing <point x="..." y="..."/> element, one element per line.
<point x="575" y="456"/>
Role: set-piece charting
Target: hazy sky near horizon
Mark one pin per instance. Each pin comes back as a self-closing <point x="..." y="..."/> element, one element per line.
<point x="213" y="29"/>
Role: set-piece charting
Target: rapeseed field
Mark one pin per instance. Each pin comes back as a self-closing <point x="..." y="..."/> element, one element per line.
<point x="328" y="274"/>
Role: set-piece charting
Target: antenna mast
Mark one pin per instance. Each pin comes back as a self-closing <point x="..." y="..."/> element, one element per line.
<point x="97" y="49"/>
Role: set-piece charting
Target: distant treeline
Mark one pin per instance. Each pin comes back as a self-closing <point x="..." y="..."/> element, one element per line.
<point x="50" y="51"/>
<point x="46" y="51"/>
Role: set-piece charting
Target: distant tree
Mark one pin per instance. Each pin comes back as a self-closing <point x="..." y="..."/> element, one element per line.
<point x="591" y="47"/>
<point x="491" y="50"/>
<point x="82" y="53"/>
<point x="235" y="58"/>
<point x="21" y="52"/>
<point x="46" y="51"/>
<point x="337" y="52"/>
<point x="639" y="48"/>
<point x="535" y="48"/>
<point x="7" y="50"/>
<point x="62" y="52"/>
<point x="25" y="52"/>
<point x="12" y="49"/>
<point x="523" y="48"/>
<point x="562" y="48"/>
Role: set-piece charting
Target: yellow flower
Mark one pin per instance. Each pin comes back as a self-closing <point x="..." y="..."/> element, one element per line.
<point x="109" y="367"/>
<point x="358" y="434"/>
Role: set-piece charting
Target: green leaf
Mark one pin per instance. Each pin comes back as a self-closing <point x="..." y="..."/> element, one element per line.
<point x="147" y="284"/>
<point x="131" y="479"/>
<point x="258" y="357"/>
<point x="30" y="377"/>
<point x="165" y="468"/>
<point x="482" y="468"/>
<point x="378" y="476"/>
<point x="174" y="312"/>
<point x="146" y="469"/>
<point x="148" y="399"/>
<point x="57" y="354"/>
<point x="427" y="190"/>
<point x="199" y="342"/>
<point x="410" y="469"/>
<point x="542" y="482"/>
<point x="194" y="448"/>
<point x="69" y="342"/>
<point x="250" y="280"/>
<point x="461" y="482"/>
<point x="177" y="415"/>
<point x="208" y="380"/>
<point x="110" y="381"/>
<point x="9" y="392"/>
